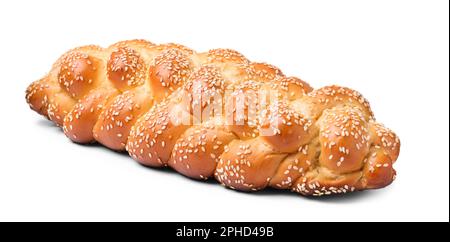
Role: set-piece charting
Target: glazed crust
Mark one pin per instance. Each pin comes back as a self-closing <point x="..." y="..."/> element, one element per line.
<point x="132" y="97"/>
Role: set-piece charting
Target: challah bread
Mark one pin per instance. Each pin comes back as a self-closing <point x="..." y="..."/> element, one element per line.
<point x="217" y="115"/>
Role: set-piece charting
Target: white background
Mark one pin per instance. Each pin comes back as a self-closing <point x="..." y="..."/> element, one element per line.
<point x="395" y="52"/>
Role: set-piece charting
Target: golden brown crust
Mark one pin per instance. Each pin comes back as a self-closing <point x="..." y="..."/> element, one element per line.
<point x="266" y="72"/>
<point x="144" y="98"/>
<point x="80" y="121"/>
<point x="344" y="139"/>
<point x="294" y="167"/>
<point x="115" y="122"/>
<point x="152" y="139"/>
<point x="385" y="138"/>
<point x="288" y="130"/>
<point x="36" y="96"/>
<point x="126" y="68"/>
<point x="226" y="56"/>
<point x="291" y="88"/>
<point x="77" y="73"/>
<point x="331" y="96"/>
<point x="169" y="71"/>
<point x="197" y="151"/>
<point x="248" y="165"/>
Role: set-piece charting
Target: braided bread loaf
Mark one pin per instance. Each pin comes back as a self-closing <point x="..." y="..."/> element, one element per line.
<point x="168" y="105"/>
